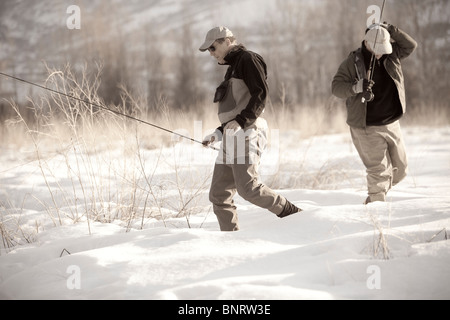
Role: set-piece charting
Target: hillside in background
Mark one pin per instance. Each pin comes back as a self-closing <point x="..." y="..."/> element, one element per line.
<point x="130" y="39"/>
<point x="151" y="46"/>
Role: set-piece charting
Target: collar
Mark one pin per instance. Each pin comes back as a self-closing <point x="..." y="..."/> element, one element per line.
<point x="234" y="53"/>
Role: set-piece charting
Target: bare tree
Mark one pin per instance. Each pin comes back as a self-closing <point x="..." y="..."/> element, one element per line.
<point x="429" y="23"/>
<point x="187" y="92"/>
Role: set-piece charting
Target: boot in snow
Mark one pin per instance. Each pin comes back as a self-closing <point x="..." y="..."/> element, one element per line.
<point x="289" y="209"/>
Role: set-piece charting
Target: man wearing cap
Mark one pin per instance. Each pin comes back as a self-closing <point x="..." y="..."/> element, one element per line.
<point x="241" y="99"/>
<point x="375" y="103"/>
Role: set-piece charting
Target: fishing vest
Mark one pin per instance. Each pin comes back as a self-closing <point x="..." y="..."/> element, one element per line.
<point x="233" y="97"/>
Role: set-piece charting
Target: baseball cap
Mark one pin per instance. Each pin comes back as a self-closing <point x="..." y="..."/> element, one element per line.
<point x="213" y="35"/>
<point x="383" y="40"/>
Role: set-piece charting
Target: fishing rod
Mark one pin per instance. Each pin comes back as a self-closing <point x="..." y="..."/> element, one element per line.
<point x="372" y="59"/>
<point x="105" y="108"/>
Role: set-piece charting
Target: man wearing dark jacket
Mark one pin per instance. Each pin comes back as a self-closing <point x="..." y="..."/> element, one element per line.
<point x="241" y="100"/>
<point x="375" y="105"/>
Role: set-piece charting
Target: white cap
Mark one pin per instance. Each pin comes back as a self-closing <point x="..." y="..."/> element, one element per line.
<point x="213" y="35"/>
<point x="383" y="40"/>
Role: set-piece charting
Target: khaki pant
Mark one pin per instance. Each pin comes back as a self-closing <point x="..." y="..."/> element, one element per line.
<point x="236" y="170"/>
<point x="383" y="153"/>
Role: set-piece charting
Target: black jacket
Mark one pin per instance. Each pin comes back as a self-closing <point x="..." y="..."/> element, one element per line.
<point x="386" y="106"/>
<point x="251" y="68"/>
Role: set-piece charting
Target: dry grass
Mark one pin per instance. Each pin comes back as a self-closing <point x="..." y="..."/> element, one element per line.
<point x="104" y="157"/>
<point x="109" y="175"/>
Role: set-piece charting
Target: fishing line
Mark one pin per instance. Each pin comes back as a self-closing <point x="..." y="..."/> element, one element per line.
<point x="104" y="108"/>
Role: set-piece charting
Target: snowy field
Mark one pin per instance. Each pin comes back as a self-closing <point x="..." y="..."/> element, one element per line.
<point x="66" y="233"/>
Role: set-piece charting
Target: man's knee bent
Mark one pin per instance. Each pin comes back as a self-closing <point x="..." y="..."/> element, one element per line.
<point x="249" y="190"/>
<point x="399" y="175"/>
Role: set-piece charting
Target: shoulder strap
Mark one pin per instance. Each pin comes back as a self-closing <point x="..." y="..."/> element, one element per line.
<point x="229" y="74"/>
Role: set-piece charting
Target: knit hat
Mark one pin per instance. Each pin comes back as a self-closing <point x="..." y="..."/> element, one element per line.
<point x="213" y="35"/>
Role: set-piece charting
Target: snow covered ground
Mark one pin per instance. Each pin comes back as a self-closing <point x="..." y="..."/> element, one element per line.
<point x="336" y="249"/>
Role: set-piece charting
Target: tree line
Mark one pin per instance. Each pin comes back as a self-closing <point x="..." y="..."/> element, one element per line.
<point x="303" y="43"/>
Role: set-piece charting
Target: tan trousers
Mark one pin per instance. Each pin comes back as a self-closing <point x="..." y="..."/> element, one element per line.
<point x="382" y="151"/>
<point x="236" y="170"/>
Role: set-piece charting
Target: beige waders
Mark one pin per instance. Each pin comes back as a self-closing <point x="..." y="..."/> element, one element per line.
<point x="236" y="170"/>
<point x="383" y="153"/>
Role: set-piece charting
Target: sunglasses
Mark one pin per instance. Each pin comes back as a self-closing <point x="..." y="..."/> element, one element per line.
<point x="212" y="48"/>
<point x="218" y="41"/>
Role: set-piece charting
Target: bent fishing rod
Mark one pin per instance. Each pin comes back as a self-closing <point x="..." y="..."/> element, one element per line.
<point x="104" y="108"/>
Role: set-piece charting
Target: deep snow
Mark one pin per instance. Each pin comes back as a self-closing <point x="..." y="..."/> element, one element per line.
<point x="330" y="251"/>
